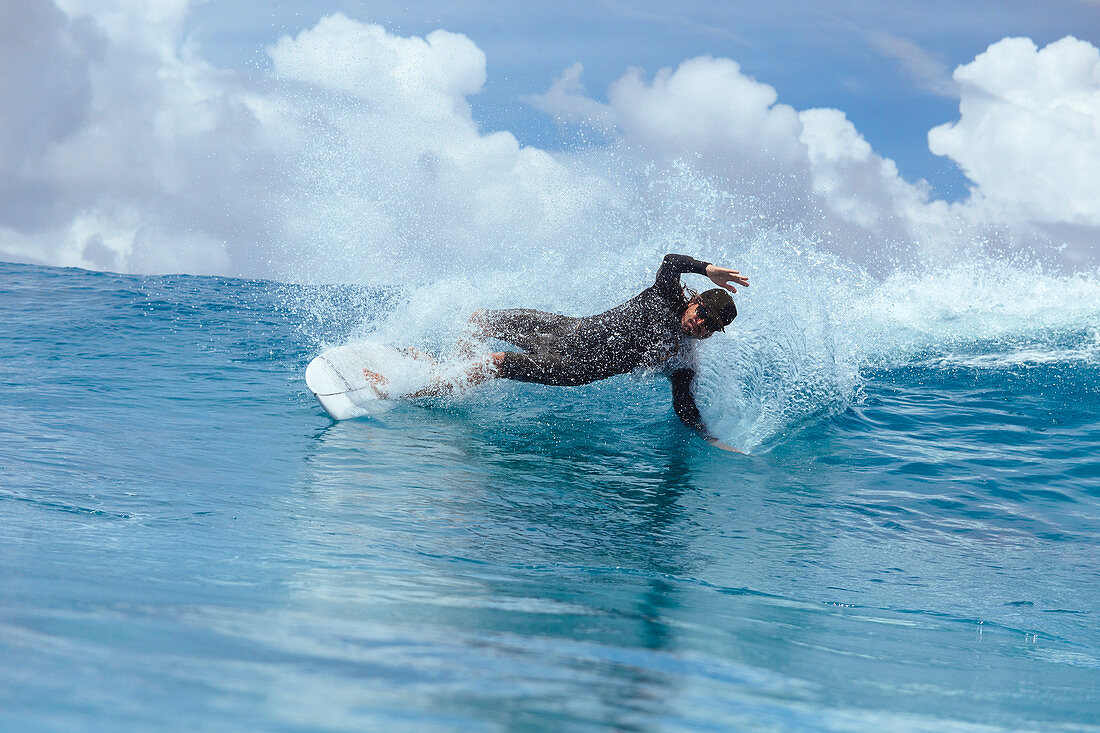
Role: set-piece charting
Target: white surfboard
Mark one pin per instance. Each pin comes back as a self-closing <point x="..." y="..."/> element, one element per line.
<point x="345" y="379"/>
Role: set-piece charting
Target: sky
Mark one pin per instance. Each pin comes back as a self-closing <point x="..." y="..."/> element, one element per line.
<point x="233" y="136"/>
<point x="886" y="64"/>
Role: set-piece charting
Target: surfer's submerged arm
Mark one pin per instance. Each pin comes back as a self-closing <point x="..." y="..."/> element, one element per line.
<point x="683" y="402"/>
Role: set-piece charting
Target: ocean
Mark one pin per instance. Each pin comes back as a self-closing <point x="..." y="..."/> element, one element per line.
<point x="189" y="543"/>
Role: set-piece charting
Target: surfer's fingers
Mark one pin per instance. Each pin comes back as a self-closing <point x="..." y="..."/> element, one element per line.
<point x="719" y="444"/>
<point x="735" y="275"/>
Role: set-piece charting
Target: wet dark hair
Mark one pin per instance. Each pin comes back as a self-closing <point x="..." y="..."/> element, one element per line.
<point x="690" y="295"/>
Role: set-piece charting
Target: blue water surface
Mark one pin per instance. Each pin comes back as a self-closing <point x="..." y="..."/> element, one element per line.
<point x="188" y="542"/>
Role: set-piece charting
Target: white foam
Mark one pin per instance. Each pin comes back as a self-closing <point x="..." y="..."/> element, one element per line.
<point x="814" y="325"/>
<point x="810" y="325"/>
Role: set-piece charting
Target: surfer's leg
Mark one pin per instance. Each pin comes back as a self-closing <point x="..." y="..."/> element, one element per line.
<point x="543" y="368"/>
<point x="540" y="367"/>
<point x="418" y="354"/>
<point x="481" y="370"/>
<point x="523" y="327"/>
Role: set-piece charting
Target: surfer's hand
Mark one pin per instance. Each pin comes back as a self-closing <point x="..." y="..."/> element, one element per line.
<point x="719" y="444"/>
<point x="723" y="276"/>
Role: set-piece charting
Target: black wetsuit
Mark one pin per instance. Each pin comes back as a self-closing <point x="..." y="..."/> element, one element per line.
<point x="645" y="331"/>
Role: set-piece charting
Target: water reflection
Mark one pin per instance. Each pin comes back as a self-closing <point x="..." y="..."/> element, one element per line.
<point x="459" y="524"/>
<point x="537" y="564"/>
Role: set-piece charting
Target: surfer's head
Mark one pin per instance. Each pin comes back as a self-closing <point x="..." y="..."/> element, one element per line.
<point x="707" y="313"/>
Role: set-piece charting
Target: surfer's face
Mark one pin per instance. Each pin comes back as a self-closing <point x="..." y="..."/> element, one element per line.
<point x="693" y="323"/>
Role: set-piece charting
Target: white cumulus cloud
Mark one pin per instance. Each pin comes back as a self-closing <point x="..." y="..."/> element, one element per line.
<point x="357" y="153"/>
<point x="142" y="172"/>
<point x="862" y="187"/>
<point x="1028" y="134"/>
<point x="708" y="107"/>
<point x="400" y="169"/>
<point x="339" y="53"/>
<point x="1028" y="138"/>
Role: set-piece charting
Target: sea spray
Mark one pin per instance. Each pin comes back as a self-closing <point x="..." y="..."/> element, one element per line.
<point x="809" y="327"/>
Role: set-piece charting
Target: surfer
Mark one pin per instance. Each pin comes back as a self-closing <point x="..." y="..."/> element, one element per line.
<point x="653" y="329"/>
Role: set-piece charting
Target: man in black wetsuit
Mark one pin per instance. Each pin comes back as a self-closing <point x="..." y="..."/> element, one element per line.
<point x="652" y="329"/>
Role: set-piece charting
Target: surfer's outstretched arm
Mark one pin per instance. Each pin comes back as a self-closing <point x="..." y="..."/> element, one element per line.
<point x="673" y="265"/>
<point x="683" y="402"/>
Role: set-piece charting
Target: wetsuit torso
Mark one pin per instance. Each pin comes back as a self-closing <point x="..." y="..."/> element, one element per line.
<point x="645" y="331"/>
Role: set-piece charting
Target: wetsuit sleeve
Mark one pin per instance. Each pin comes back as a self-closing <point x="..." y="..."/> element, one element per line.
<point x="668" y="277"/>
<point x="684" y="402"/>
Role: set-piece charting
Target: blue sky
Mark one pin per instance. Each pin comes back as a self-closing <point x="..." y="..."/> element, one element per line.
<point x="885" y="64"/>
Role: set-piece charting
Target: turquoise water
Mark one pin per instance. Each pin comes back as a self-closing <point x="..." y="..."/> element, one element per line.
<point x="190" y="543"/>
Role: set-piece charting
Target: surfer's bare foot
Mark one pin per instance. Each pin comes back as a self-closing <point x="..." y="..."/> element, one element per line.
<point x="475" y="332"/>
<point x="464" y="349"/>
<point x="376" y="380"/>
